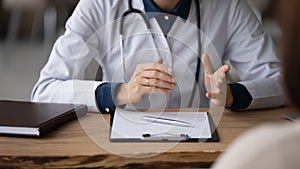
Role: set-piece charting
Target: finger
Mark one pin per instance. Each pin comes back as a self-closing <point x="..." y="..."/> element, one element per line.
<point x="156" y="66"/>
<point x="216" y="95"/>
<point x="219" y="75"/>
<point x="207" y="64"/>
<point x="221" y="72"/>
<point x="161" y="84"/>
<point x="140" y="90"/>
<point x="226" y="68"/>
<point x="155" y="90"/>
<point x="156" y="83"/>
<point x="159" y="60"/>
<point x="208" y="95"/>
<point x="150" y="66"/>
<point x="218" y="100"/>
<point x="159" y="76"/>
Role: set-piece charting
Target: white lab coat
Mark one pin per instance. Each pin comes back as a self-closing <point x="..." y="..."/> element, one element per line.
<point x="92" y="32"/>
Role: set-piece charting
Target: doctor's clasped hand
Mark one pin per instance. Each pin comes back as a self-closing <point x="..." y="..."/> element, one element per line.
<point x="148" y="78"/>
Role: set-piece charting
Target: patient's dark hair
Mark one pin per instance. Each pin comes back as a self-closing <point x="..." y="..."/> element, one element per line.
<point x="290" y="47"/>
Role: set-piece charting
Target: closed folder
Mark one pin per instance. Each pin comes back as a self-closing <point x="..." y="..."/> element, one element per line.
<point x="35" y="119"/>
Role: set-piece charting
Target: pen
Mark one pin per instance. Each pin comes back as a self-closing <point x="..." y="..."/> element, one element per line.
<point x="166" y="121"/>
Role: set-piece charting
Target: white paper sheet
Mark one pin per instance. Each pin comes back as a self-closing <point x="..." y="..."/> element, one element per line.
<point x="128" y="125"/>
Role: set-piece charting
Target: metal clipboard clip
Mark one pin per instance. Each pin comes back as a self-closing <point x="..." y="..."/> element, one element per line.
<point x="165" y="137"/>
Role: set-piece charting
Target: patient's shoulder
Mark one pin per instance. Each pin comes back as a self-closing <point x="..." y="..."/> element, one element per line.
<point x="267" y="146"/>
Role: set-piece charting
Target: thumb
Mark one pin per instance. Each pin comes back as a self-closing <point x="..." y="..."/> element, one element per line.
<point x="226" y="68"/>
<point x="159" y="60"/>
<point x="207" y="64"/>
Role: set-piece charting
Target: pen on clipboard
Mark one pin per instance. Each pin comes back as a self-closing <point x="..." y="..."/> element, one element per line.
<point x="166" y="121"/>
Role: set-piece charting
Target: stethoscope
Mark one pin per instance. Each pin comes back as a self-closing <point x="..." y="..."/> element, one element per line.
<point x="132" y="10"/>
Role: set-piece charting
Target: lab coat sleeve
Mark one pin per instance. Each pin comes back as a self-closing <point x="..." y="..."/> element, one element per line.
<point x="61" y="80"/>
<point x="253" y="54"/>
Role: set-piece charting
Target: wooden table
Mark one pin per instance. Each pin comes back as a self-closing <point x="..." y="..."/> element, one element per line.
<point x="84" y="144"/>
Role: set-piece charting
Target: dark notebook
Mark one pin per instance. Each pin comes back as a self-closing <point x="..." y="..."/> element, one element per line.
<point x="35" y="119"/>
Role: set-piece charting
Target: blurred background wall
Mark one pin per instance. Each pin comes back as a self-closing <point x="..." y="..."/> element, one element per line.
<point x="28" y="29"/>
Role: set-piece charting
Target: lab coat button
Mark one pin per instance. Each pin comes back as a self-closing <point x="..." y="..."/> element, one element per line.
<point x="166" y="17"/>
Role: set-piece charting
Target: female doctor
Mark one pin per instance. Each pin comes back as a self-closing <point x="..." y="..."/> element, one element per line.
<point x="155" y="62"/>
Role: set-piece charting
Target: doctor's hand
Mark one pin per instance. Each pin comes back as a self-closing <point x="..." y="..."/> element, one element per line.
<point x="215" y="82"/>
<point x="148" y="78"/>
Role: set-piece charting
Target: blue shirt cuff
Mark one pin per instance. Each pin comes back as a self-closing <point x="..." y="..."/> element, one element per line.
<point x="241" y="97"/>
<point x="105" y="94"/>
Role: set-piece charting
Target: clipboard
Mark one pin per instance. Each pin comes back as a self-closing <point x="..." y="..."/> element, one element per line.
<point x="128" y="126"/>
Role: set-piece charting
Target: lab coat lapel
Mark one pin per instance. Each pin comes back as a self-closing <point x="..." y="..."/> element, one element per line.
<point x="143" y="47"/>
<point x="183" y="39"/>
<point x="161" y="43"/>
<point x="187" y="32"/>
